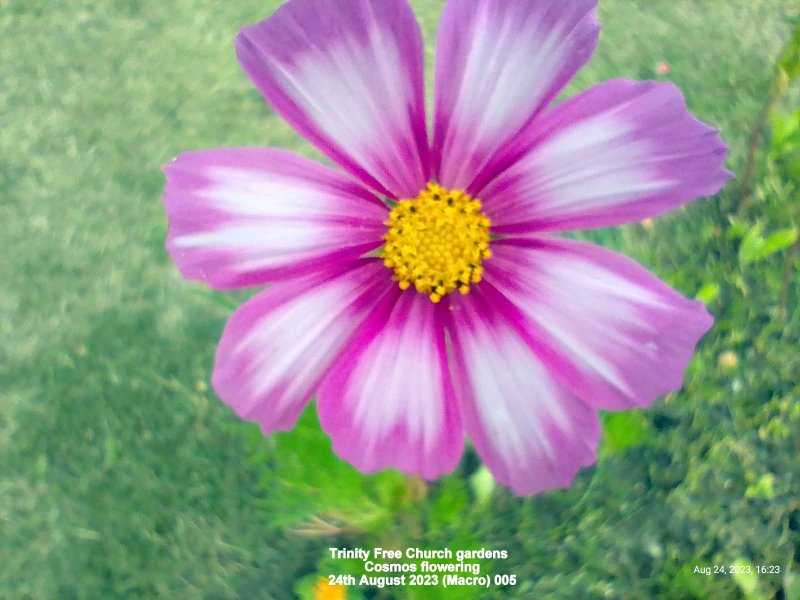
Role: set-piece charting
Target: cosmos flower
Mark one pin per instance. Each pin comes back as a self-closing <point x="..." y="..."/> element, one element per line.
<point x="420" y="292"/>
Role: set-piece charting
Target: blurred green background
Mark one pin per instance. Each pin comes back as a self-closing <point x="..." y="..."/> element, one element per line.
<point x="122" y="476"/>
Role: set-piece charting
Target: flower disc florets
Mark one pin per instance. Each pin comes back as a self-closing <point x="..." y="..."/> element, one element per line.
<point x="437" y="242"/>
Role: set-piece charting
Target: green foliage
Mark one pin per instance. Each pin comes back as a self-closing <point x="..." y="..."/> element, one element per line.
<point x="623" y="430"/>
<point x="785" y="134"/>
<point x="756" y="246"/>
<point x="788" y="64"/>
<point x="764" y="487"/>
<point x="778" y="240"/>
<point x="791" y="585"/>
<point x="450" y="503"/>
<point x="708" y="292"/>
<point x="747" y="579"/>
<point x="307" y="478"/>
<point x="123" y="475"/>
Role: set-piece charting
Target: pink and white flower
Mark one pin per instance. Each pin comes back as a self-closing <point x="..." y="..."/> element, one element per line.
<point x="419" y="293"/>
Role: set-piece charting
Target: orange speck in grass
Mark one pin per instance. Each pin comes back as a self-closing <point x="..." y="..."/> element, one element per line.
<point x="662" y="68"/>
<point x="323" y="590"/>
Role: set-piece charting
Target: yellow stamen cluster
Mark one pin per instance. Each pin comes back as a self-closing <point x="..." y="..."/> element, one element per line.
<point x="437" y="241"/>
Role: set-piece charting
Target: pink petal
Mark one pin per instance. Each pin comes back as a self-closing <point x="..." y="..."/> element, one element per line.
<point x="618" y="336"/>
<point x="277" y="347"/>
<point x="498" y="64"/>
<point x="531" y="431"/>
<point x="348" y="76"/>
<point x="388" y="400"/>
<point x="620" y="152"/>
<point x="246" y="216"/>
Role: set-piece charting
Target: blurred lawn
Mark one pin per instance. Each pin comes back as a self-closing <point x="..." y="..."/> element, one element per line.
<point x="122" y="475"/>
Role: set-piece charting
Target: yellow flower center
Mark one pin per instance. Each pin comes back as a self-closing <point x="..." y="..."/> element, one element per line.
<point x="437" y="242"/>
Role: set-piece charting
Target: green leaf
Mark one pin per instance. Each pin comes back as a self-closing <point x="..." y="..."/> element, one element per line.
<point x="785" y="134"/>
<point x="708" y="292"/>
<point x="747" y="579"/>
<point x="791" y="585"/>
<point x="450" y="502"/>
<point x="752" y="245"/>
<point x="624" y="429"/>
<point x="789" y="62"/>
<point x="737" y="228"/>
<point x="779" y="240"/>
<point x="305" y="479"/>
<point x="763" y="488"/>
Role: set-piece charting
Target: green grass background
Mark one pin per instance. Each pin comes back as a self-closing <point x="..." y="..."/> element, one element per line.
<point x="121" y="475"/>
